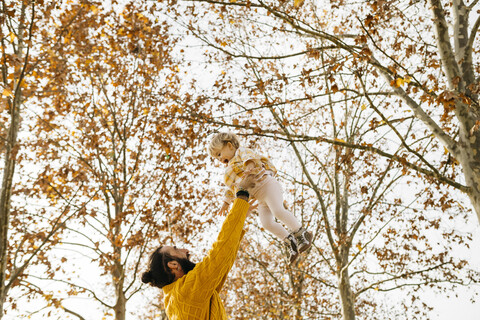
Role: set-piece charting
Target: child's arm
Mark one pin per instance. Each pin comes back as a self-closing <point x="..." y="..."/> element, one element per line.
<point x="227" y="199"/>
<point x="229" y="194"/>
<point x="249" y="163"/>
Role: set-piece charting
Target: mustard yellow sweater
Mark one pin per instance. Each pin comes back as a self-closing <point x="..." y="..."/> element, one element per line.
<point x="196" y="294"/>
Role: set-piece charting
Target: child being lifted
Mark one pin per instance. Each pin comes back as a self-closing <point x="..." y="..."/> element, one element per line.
<point x="225" y="147"/>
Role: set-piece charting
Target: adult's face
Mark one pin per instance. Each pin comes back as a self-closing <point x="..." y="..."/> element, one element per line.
<point x="181" y="264"/>
<point x="174" y="252"/>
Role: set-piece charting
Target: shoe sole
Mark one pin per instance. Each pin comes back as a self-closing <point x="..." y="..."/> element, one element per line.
<point x="309" y="237"/>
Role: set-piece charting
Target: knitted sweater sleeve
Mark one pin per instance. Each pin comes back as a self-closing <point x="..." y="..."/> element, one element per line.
<point x="222" y="282"/>
<point x="210" y="274"/>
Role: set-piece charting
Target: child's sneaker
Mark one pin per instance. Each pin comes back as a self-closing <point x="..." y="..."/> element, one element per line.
<point x="291" y="245"/>
<point x="303" y="239"/>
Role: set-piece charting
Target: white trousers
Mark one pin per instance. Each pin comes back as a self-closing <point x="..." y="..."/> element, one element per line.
<point x="269" y="195"/>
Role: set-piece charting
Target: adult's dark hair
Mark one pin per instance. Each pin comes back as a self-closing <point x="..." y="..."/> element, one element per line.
<point x="158" y="274"/>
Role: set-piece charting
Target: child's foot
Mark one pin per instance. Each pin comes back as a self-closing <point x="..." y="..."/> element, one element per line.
<point x="303" y="239"/>
<point x="291" y="245"/>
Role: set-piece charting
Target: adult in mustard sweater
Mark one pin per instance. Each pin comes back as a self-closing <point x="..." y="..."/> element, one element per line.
<point x="191" y="291"/>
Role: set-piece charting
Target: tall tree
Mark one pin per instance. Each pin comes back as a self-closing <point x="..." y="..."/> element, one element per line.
<point x="369" y="238"/>
<point x="408" y="60"/>
<point x="356" y="78"/>
<point x="24" y="26"/>
<point x="12" y="93"/>
<point x="109" y="140"/>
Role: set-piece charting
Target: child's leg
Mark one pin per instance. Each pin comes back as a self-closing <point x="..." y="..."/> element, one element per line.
<point x="272" y="194"/>
<point x="268" y="221"/>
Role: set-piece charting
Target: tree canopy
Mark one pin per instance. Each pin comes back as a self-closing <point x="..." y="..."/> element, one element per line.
<point x="369" y="109"/>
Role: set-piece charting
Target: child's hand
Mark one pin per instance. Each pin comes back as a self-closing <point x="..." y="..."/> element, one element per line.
<point x="223" y="209"/>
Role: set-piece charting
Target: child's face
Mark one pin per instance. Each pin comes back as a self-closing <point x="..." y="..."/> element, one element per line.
<point x="225" y="154"/>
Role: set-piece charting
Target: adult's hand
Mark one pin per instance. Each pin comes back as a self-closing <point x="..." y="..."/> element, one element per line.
<point x="223" y="209"/>
<point x="253" y="206"/>
<point x="250" y="180"/>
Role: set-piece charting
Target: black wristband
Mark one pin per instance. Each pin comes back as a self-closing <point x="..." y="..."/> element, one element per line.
<point x="243" y="193"/>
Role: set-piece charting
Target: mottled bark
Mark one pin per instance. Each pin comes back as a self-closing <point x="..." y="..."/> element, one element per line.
<point x="121" y="303"/>
<point x="347" y="302"/>
<point x="118" y="272"/>
<point x="457" y="65"/>
<point x="472" y="177"/>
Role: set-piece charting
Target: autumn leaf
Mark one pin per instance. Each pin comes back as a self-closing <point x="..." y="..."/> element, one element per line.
<point x="12" y="36"/>
<point x="94" y="9"/>
<point x="297" y="3"/>
<point x="7" y="93"/>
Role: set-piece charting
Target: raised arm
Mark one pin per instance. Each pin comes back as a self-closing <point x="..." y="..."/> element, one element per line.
<point x="210" y="274"/>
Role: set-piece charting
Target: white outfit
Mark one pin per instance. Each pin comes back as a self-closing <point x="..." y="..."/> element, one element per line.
<point x="270" y="206"/>
<point x="268" y="192"/>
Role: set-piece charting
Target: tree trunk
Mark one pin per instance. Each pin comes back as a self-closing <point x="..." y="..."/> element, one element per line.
<point x="5" y="196"/>
<point x="118" y="280"/>
<point x="11" y="150"/>
<point x="471" y="117"/>
<point x="472" y="179"/>
<point x="347" y="302"/>
<point x="118" y="268"/>
<point x="120" y="305"/>
<point x="346" y="296"/>
<point x="458" y="67"/>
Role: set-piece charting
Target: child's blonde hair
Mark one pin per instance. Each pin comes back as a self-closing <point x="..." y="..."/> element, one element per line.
<point x="220" y="139"/>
